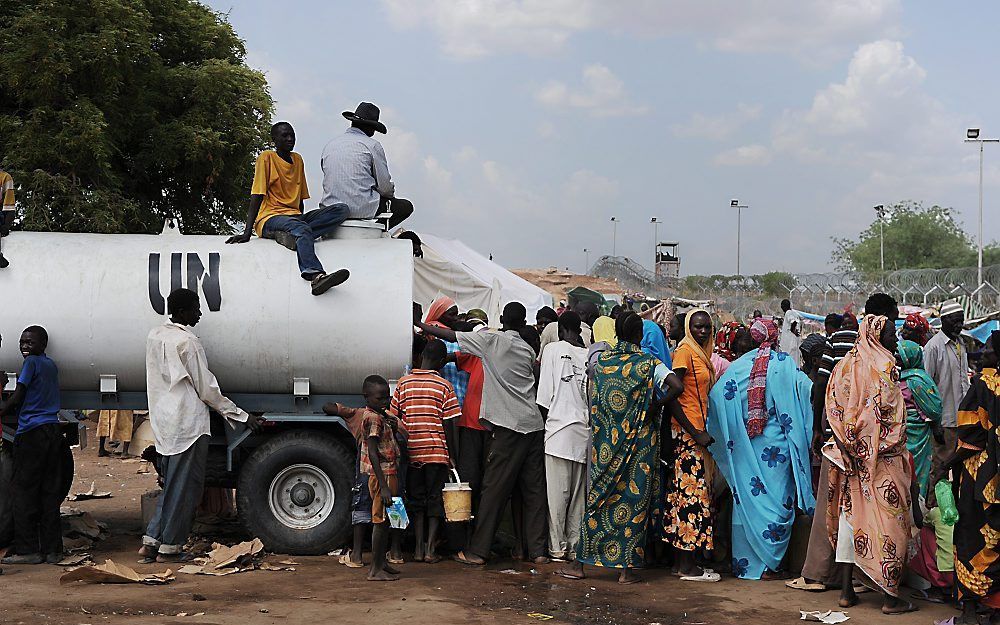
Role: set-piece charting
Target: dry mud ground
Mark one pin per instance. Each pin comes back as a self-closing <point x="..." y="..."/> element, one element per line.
<point x="321" y="591"/>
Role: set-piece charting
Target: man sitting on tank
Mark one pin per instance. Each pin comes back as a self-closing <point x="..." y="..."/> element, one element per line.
<point x="356" y="173"/>
<point x="277" y="202"/>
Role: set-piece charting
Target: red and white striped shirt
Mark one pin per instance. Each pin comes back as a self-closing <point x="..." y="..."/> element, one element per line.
<point x="424" y="400"/>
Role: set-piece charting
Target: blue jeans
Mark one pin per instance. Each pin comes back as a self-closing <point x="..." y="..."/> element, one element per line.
<point x="306" y="229"/>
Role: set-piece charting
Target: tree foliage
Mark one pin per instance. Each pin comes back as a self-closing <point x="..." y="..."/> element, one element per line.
<point x="773" y="283"/>
<point x="916" y="237"/>
<point x="115" y="114"/>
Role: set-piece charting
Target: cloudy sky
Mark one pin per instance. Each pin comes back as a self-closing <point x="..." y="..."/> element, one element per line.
<point x="522" y="127"/>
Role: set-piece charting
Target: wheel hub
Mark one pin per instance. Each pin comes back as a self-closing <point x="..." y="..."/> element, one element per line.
<point x="301" y="496"/>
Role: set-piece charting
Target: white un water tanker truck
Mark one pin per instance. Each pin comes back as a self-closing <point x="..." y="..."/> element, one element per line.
<point x="277" y="350"/>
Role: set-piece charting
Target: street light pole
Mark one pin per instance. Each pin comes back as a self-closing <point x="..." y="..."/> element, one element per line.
<point x="656" y="235"/>
<point x="739" y="227"/>
<point x="972" y="136"/>
<point x="880" y="211"/>
<point x="586" y="269"/>
<point x="614" y="236"/>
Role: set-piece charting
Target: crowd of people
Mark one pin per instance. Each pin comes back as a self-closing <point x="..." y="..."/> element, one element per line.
<point x="614" y="449"/>
<point x="614" y="442"/>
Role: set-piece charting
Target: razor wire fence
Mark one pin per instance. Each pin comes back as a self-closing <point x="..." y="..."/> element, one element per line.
<point x="812" y="291"/>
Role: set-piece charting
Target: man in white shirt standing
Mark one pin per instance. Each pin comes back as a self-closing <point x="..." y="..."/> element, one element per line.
<point x="356" y="173"/>
<point x="562" y="389"/>
<point x="791" y="332"/>
<point x="947" y="362"/>
<point x="180" y="389"/>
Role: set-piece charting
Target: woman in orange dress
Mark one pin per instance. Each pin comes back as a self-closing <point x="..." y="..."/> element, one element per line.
<point x="688" y="518"/>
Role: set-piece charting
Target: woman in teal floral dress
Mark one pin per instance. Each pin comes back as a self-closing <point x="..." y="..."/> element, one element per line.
<point x="624" y="456"/>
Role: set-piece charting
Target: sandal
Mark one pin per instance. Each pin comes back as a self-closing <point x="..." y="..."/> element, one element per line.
<point x="346" y="561"/>
<point x="922" y="595"/>
<point x="432" y="559"/>
<point x="707" y="575"/>
<point x="165" y="558"/>
<point x="800" y="583"/>
<point x="392" y="560"/>
<point x="461" y="559"/>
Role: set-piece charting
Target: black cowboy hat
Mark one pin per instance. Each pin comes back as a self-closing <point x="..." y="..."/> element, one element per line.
<point x="366" y="115"/>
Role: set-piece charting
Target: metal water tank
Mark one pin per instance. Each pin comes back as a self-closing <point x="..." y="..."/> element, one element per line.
<point x="264" y="332"/>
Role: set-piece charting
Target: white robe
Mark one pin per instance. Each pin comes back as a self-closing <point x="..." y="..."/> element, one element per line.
<point x="788" y="341"/>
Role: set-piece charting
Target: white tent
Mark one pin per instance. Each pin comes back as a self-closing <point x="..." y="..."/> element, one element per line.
<point x="450" y="267"/>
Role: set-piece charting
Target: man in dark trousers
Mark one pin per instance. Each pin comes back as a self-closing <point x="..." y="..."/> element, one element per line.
<point x="39" y="450"/>
<point x="356" y="172"/>
<point x="517" y="449"/>
<point x="180" y="389"/>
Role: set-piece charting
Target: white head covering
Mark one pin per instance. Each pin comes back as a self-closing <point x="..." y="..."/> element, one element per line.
<point x="950" y="307"/>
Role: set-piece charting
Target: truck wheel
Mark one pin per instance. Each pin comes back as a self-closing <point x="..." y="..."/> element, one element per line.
<point x="294" y="492"/>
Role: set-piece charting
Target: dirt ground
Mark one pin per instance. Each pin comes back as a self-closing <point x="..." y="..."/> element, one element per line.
<point x="322" y="591"/>
<point x="558" y="282"/>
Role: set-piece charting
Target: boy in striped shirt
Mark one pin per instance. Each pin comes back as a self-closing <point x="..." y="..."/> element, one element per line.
<point x="425" y="402"/>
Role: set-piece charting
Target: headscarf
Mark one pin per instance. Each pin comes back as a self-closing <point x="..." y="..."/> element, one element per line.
<point x="702" y="352"/>
<point x="654" y="343"/>
<point x="440" y="306"/>
<point x="917" y="323"/>
<point x="765" y="332"/>
<point x="865" y="410"/>
<point x="604" y="331"/>
<point x="477" y="313"/>
<point x="922" y="387"/>
<point x="724" y="339"/>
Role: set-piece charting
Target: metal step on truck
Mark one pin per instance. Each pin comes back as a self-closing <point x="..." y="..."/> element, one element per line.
<point x="276" y="350"/>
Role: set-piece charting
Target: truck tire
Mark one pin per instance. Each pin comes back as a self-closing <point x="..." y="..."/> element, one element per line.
<point x="294" y="492"/>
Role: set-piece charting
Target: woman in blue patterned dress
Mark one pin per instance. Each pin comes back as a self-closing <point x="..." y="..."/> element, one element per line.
<point x="761" y="419"/>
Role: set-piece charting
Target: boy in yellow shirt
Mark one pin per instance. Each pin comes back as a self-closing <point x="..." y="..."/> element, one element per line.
<point x="277" y="209"/>
<point x="6" y="209"/>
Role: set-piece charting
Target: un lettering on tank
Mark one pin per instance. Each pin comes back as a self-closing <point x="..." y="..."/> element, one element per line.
<point x="192" y="275"/>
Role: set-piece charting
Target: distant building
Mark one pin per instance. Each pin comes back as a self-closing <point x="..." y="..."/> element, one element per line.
<point x="668" y="264"/>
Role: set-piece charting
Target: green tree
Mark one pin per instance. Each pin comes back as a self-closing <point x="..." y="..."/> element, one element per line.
<point x="916" y="237"/>
<point x="776" y="283"/>
<point x="115" y="114"/>
<point x="773" y="283"/>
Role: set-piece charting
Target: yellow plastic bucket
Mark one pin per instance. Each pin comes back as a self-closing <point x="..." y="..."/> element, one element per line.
<point x="457" y="500"/>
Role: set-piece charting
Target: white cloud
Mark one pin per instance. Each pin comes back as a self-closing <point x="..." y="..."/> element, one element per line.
<point x="477" y="28"/>
<point x="585" y="184"/>
<point x="602" y="94"/>
<point x="491" y="171"/>
<point x="436" y="172"/>
<point x="886" y="137"/>
<point x="717" y="127"/>
<point x="401" y="147"/>
<point x="755" y="154"/>
<point x="880" y="115"/>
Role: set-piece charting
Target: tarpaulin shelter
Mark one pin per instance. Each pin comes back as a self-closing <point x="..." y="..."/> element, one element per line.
<point x="450" y="267"/>
<point x="582" y="294"/>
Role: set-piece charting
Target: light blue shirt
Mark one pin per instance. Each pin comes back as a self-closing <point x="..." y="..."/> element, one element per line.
<point x="355" y="173"/>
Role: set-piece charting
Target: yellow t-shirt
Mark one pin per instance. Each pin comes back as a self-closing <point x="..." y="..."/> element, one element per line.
<point x="282" y="184"/>
<point x="6" y="191"/>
